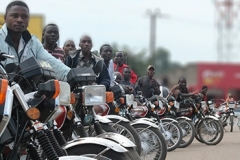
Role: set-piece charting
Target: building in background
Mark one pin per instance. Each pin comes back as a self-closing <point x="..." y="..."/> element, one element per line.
<point x="221" y="78"/>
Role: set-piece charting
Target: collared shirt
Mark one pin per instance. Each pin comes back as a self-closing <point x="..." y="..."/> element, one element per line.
<point x="84" y="62"/>
<point x="111" y="71"/>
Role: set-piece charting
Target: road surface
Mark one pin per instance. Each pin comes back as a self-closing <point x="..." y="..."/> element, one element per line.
<point x="227" y="149"/>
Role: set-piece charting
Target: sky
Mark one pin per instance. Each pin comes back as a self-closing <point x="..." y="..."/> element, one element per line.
<point x="187" y="30"/>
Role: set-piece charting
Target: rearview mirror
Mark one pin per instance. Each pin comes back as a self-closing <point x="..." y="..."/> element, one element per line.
<point x="98" y="67"/>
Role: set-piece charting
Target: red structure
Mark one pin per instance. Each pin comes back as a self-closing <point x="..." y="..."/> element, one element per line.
<point x="221" y="78"/>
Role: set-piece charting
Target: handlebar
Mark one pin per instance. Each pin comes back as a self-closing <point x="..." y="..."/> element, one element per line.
<point x="4" y="56"/>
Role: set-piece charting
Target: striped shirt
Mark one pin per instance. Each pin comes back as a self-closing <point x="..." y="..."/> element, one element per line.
<point x="57" y="53"/>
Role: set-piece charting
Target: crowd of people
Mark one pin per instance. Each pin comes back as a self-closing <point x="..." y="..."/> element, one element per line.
<point x="16" y="40"/>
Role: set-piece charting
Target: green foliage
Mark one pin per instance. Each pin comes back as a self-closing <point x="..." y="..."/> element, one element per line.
<point x="138" y="61"/>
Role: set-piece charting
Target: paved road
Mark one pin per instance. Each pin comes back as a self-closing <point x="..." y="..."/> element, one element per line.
<point x="227" y="149"/>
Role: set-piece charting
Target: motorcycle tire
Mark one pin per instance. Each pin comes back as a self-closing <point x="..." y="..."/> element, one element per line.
<point x="125" y="129"/>
<point x="210" y="126"/>
<point x="91" y="150"/>
<point x="231" y="121"/>
<point x="188" y="130"/>
<point x="168" y="124"/>
<point x="150" y="134"/>
<point x="197" y="133"/>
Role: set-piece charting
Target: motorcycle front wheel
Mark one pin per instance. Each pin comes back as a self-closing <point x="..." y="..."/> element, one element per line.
<point x="210" y="131"/>
<point x="152" y="141"/>
<point x="128" y="131"/>
<point x="188" y="130"/>
<point x="173" y="133"/>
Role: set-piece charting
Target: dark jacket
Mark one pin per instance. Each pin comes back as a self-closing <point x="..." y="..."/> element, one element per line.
<point x="103" y="78"/>
<point x="147" y="86"/>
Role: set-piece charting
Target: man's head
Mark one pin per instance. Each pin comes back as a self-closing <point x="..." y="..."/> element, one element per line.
<point x="182" y="83"/>
<point x="106" y="52"/>
<point x="17" y="16"/>
<point x="127" y="74"/>
<point x="120" y="57"/>
<point x="204" y="89"/>
<point x="85" y="44"/>
<point x="151" y="71"/>
<point x="69" y="45"/>
<point x="118" y="77"/>
<point x="50" y="34"/>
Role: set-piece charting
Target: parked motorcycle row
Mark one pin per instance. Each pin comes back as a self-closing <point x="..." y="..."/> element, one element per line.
<point x="43" y="118"/>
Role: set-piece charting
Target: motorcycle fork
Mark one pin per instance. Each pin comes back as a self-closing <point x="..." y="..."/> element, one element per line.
<point x="208" y="125"/>
<point x="97" y="126"/>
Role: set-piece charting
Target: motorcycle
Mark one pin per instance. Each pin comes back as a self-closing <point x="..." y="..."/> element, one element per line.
<point x="88" y="94"/>
<point x="22" y="130"/>
<point x="169" y="127"/>
<point x="185" y="123"/>
<point x="225" y="112"/>
<point x="169" y="106"/>
<point x="152" y="141"/>
<point x="29" y="134"/>
<point x="209" y="129"/>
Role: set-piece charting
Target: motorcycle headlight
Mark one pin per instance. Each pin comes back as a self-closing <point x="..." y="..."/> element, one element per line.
<point x="94" y="95"/>
<point x="129" y="99"/>
<point x="65" y="93"/>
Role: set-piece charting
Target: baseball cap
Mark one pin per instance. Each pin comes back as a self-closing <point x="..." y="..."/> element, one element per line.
<point x="151" y="66"/>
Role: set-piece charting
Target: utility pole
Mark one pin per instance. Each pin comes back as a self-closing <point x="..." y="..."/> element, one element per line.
<point x="153" y="23"/>
<point x="227" y="22"/>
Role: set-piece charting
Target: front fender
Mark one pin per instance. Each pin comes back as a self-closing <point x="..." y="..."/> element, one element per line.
<point x="183" y="118"/>
<point x="213" y="117"/>
<point x="146" y="121"/>
<point x="96" y="140"/>
<point x="170" y="119"/>
<point x="117" y="117"/>
<point x="75" y="158"/>
<point x="103" y="119"/>
<point x="116" y="137"/>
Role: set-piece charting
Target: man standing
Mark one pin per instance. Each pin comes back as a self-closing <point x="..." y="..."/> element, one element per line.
<point x="50" y="37"/>
<point x="83" y="57"/>
<point x="69" y="45"/>
<point x="17" y="41"/>
<point x="106" y="53"/>
<point x="147" y="84"/>
<point x="126" y="79"/>
<point x="119" y="66"/>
